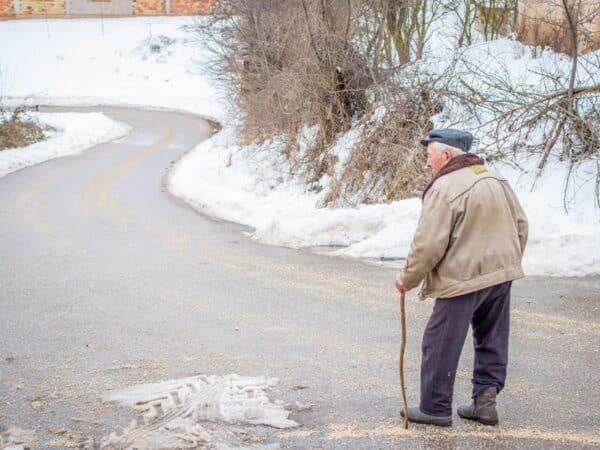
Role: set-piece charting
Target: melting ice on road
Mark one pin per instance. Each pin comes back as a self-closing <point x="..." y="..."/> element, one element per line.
<point x="171" y="411"/>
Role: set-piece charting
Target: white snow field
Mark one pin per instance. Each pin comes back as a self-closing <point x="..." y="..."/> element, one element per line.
<point x="71" y="133"/>
<point x="155" y="63"/>
<point x="141" y="61"/>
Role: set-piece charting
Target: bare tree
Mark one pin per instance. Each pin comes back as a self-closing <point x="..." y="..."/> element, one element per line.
<point x="398" y="30"/>
<point x="560" y="116"/>
<point x="495" y="18"/>
<point x="336" y="64"/>
<point x="292" y="64"/>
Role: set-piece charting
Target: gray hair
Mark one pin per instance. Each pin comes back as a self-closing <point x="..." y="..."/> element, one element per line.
<point x="438" y="147"/>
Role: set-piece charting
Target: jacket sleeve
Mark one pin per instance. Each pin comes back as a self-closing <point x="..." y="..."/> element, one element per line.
<point x="522" y="225"/>
<point x="430" y="240"/>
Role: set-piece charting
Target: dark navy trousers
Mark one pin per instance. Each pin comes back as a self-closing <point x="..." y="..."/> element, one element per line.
<point x="488" y="312"/>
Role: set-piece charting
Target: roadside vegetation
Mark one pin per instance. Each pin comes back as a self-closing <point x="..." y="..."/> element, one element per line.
<point x="18" y="130"/>
<point x="310" y="72"/>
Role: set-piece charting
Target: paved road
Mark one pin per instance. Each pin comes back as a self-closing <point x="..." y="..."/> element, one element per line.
<point x="107" y="281"/>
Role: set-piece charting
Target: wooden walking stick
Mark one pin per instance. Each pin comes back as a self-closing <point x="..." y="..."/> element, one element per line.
<point x="401" y="363"/>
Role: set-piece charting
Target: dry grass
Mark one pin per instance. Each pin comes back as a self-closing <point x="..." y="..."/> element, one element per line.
<point x="388" y="162"/>
<point x="17" y="130"/>
<point x="292" y="64"/>
<point x="318" y="64"/>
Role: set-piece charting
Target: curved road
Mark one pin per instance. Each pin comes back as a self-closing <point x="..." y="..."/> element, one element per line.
<point x="107" y="281"/>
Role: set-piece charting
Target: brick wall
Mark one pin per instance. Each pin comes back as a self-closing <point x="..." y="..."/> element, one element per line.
<point x="178" y="7"/>
<point x="149" y="7"/>
<point x="6" y="8"/>
<point x="42" y="7"/>
<point x="139" y="8"/>
<point x="191" y="7"/>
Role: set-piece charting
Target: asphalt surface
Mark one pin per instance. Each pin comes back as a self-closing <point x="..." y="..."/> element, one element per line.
<point x="107" y="281"/>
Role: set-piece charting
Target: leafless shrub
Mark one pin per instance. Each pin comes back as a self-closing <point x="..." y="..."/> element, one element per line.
<point x="328" y="63"/>
<point x="563" y="118"/>
<point x="495" y="18"/>
<point x="560" y="116"/>
<point x="17" y="130"/>
<point x="464" y="11"/>
<point x="395" y="32"/>
<point x="492" y="18"/>
<point x="388" y="162"/>
<point x="334" y="64"/>
<point x="292" y="64"/>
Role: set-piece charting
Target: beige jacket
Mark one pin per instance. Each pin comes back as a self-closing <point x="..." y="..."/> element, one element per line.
<point x="471" y="235"/>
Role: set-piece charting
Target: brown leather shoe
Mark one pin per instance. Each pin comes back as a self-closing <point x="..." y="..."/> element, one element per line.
<point x="482" y="408"/>
<point x="415" y="415"/>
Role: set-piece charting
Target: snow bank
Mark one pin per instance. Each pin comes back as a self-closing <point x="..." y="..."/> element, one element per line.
<point x="564" y="222"/>
<point x="155" y="62"/>
<point x="72" y="133"/>
<point x="252" y="185"/>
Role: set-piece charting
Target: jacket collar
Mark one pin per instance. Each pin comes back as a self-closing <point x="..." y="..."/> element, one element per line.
<point x="456" y="163"/>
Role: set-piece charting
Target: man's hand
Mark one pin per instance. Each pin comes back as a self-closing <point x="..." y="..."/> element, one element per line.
<point x="400" y="285"/>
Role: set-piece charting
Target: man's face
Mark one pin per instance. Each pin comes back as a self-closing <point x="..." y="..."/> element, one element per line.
<point x="436" y="160"/>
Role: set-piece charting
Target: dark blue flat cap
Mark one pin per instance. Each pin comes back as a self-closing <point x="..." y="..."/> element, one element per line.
<point x="450" y="136"/>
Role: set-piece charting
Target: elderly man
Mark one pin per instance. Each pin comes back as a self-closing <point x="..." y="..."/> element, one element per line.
<point x="467" y="250"/>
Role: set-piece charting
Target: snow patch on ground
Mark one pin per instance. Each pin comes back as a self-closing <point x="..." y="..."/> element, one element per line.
<point x="171" y="412"/>
<point x="72" y="133"/>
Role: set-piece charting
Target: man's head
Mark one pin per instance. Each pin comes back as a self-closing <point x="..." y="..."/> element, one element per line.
<point x="438" y="155"/>
<point x="445" y="144"/>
